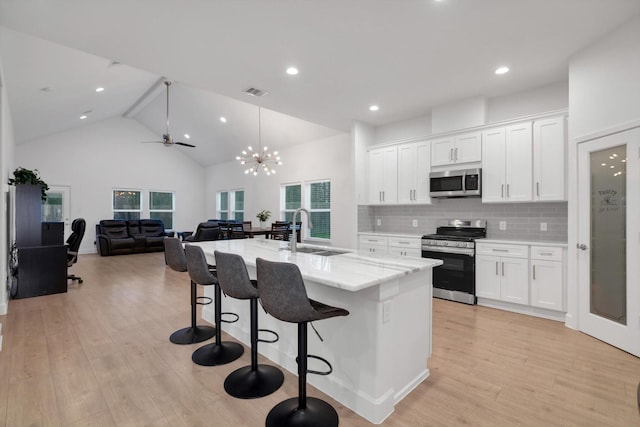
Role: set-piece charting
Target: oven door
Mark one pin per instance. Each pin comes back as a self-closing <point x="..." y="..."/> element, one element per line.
<point x="455" y="279"/>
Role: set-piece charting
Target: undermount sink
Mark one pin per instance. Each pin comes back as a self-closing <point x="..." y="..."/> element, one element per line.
<point x="318" y="251"/>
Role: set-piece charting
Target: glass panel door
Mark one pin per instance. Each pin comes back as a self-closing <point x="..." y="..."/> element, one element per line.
<point x="56" y="207"/>
<point x="608" y="246"/>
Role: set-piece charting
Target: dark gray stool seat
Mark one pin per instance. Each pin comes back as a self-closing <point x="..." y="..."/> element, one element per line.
<point x="283" y="296"/>
<point x="255" y="380"/>
<point x="175" y="258"/>
<point x="218" y="353"/>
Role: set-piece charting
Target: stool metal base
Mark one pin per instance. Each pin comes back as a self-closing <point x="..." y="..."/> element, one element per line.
<point x="317" y="413"/>
<point x="192" y="335"/>
<point x="217" y="353"/>
<point x="246" y="383"/>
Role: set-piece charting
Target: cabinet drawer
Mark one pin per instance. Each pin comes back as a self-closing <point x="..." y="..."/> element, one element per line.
<point x="405" y="242"/>
<point x="414" y="253"/>
<point x="371" y="240"/>
<point x="549" y="253"/>
<point x="503" y="250"/>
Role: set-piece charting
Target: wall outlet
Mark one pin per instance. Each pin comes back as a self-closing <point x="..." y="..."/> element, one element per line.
<point x="378" y="222"/>
<point x="386" y="311"/>
<point x="503" y="225"/>
<point x="414" y="222"/>
<point x="543" y="226"/>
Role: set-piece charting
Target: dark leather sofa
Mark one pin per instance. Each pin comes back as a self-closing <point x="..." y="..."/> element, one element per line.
<point x="118" y="237"/>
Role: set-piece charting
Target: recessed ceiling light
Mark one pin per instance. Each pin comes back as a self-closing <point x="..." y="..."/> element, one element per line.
<point x="502" y="70"/>
<point x="186" y="135"/>
<point x="85" y="115"/>
<point x="374" y="108"/>
<point x="99" y="89"/>
<point x="292" y="71"/>
<point x="223" y="119"/>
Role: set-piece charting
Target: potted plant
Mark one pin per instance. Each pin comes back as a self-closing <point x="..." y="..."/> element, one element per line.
<point x="262" y="216"/>
<point x="28" y="176"/>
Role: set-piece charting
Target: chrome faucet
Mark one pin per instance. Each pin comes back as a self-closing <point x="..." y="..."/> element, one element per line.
<point x="294" y="236"/>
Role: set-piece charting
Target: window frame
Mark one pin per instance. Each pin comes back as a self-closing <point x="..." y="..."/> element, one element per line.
<point x="305" y="202"/>
<point x="113" y="202"/>
<point x="172" y="210"/>
<point x="231" y="211"/>
<point x="307" y="205"/>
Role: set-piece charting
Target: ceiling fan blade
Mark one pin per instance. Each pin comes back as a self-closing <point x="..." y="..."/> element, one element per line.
<point x="185" y="144"/>
<point x="152" y="142"/>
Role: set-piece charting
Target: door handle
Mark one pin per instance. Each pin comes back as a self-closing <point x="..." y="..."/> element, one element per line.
<point x="507" y="191"/>
<point x="582" y="246"/>
<point x="503" y="268"/>
<point x="451" y="154"/>
<point x="534" y="272"/>
<point x="496" y="268"/>
<point x="455" y="155"/>
<point x="538" y="189"/>
<point x="502" y="191"/>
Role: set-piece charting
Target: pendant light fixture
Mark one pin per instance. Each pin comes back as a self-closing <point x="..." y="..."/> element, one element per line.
<point x="261" y="159"/>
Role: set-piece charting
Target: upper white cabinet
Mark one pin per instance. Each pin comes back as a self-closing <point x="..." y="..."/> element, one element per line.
<point x="507" y="164"/>
<point x="383" y="175"/>
<point x="549" y="154"/>
<point x="414" y="161"/>
<point x="464" y="148"/>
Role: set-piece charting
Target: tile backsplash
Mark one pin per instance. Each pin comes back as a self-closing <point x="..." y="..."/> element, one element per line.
<point x="522" y="219"/>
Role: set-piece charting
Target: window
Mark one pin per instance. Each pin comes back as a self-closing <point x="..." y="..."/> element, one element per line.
<point x="237" y="198"/>
<point x="318" y="202"/>
<point x="291" y="197"/>
<point x="127" y="204"/>
<point x="230" y="205"/>
<point x="161" y="206"/>
<point x="222" y="204"/>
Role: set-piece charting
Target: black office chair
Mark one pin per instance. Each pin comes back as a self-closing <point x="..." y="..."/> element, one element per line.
<point x="73" y="245"/>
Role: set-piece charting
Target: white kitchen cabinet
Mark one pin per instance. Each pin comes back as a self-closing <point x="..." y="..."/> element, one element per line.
<point x="502" y="272"/>
<point x="547" y="277"/>
<point x="456" y="149"/>
<point x="507" y="164"/>
<point x="414" y="165"/>
<point x="549" y="159"/>
<point x="373" y="243"/>
<point x="405" y="246"/>
<point x="383" y="175"/>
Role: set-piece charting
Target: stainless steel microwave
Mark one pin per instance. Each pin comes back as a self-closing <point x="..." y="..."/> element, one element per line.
<point x="456" y="183"/>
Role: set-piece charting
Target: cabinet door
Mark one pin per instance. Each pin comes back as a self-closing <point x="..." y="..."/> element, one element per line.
<point x="442" y="151"/>
<point x="376" y="164"/>
<point x="493" y="165"/>
<point x="374" y="249"/>
<point x="468" y="148"/>
<point x="423" y="168"/>
<point x="547" y="285"/>
<point x="383" y="175"/>
<point x="488" y="276"/>
<point x="515" y="280"/>
<point x="407" y="170"/>
<point x="518" y="166"/>
<point x="549" y="164"/>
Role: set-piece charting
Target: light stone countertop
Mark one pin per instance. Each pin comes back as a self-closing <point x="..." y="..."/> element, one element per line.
<point x="523" y="242"/>
<point x="352" y="271"/>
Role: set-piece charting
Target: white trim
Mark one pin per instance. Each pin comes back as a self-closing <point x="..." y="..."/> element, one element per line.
<point x="622" y="127"/>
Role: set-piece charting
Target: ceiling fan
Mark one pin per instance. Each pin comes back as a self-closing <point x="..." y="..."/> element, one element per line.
<point x="167" y="139"/>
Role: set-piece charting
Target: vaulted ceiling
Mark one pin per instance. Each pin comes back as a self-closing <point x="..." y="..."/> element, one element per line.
<point x="405" y="56"/>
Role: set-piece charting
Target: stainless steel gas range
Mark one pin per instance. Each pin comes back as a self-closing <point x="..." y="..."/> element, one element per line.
<point x="454" y="244"/>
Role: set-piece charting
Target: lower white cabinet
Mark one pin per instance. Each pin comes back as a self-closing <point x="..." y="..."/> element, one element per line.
<point x="502" y="272"/>
<point x="526" y="274"/>
<point x="547" y="277"/>
<point x="373" y="243"/>
<point x="390" y="244"/>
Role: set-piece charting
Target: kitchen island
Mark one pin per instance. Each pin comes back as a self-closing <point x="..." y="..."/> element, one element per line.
<point x="379" y="352"/>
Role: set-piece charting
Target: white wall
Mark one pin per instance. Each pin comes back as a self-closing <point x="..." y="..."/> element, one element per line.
<point x="604" y="82"/>
<point x="95" y="159"/>
<point x="604" y="96"/>
<point x="318" y="160"/>
<point x="6" y="164"/>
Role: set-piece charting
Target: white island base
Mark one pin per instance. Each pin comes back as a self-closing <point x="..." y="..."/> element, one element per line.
<point x="379" y="352"/>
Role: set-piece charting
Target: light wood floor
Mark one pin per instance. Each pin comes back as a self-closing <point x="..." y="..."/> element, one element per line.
<point x="99" y="355"/>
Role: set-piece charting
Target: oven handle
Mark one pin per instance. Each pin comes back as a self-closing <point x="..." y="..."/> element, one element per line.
<point x="457" y="251"/>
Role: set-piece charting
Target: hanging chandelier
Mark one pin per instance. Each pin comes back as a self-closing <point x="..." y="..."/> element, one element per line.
<point x="261" y="159"/>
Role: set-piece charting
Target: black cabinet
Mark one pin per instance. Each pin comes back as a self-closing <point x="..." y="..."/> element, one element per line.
<point x="42" y="258"/>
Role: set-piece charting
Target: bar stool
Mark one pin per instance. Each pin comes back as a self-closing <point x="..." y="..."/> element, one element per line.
<point x="218" y="353"/>
<point x="175" y="258"/>
<point x="284" y="297"/>
<point x="254" y="380"/>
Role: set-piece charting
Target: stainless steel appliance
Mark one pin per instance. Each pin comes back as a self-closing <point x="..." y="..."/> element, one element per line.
<point x="454" y="244"/>
<point x="456" y="183"/>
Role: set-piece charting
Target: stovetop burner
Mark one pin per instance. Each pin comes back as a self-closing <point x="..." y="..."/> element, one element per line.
<point x="460" y="231"/>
